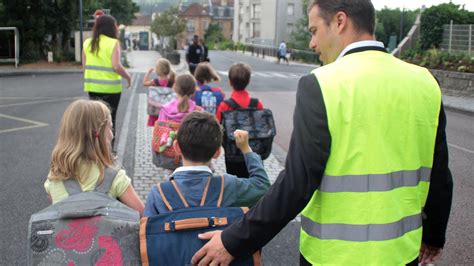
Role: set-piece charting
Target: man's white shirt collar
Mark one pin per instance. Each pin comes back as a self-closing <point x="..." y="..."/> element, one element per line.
<point x="358" y="45"/>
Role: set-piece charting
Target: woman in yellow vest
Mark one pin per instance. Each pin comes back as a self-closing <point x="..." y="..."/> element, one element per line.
<point x="103" y="70"/>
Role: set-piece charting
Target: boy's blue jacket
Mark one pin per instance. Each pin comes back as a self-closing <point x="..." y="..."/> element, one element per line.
<point x="238" y="192"/>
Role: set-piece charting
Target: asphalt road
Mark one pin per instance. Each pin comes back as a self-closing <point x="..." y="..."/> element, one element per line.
<point x="31" y="108"/>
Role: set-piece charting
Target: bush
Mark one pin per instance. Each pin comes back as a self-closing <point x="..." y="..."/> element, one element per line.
<point x="436" y="59"/>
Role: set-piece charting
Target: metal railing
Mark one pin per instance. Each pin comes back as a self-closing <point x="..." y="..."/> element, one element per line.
<point x="265" y="50"/>
<point x="458" y="38"/>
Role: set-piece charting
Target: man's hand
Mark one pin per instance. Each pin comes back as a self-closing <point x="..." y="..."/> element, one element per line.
<point x="214" y="252"/>
<point x="428" y="254"/>
<point x="242" y="141"/>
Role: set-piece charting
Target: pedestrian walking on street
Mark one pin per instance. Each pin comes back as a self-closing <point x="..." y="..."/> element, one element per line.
<point x="282" y="52"/>
<point x="367" y="165"/>
<point x="194" y="54"/>
<point x="103" y="70"/>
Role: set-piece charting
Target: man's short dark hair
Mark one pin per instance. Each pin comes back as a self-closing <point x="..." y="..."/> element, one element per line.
<point x="239" y="76"/>
<point x="361" y="12"/>
<point x="199" y="137"/>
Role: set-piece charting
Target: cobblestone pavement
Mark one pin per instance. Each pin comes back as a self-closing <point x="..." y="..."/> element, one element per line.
<point x="146" y="174"/>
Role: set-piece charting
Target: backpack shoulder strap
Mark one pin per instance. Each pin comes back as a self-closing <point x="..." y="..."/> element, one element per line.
<point x="253" y="103"/>
<point x="72" y="186"/>
<point x="109" y="177"/>
<point x="232" y="103"/>
<point x="172" y="197"/>
<point x="206" y="190"/>
<point x="216" y="189"/>
<point x="163" y="197"/>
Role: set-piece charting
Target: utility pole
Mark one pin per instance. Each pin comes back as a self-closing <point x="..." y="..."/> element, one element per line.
<point x="80" y="27"/>
<point x="401" y="25"/>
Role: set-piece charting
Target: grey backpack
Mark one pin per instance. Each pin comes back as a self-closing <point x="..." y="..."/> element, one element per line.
<point x="86" y="228"/>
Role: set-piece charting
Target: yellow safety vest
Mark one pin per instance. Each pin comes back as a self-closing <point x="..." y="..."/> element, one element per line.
<point x="99" y="75"/>
<point x="382" y="116"/>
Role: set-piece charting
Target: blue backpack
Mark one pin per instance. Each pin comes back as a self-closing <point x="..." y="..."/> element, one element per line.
<point x="208" y="99"/>
<point x="171" y="238"/>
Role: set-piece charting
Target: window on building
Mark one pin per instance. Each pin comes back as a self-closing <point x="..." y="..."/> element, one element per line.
<point x="224" y="2"/>
<point x="289" y="28"/>
<point x="221" y="11"/>
<point x="256" y="11"/>
<point x="255" y="30"/>
<point x="291" y="10"/>
<point x="206" y="24"/>
<point x="190" y="25"/>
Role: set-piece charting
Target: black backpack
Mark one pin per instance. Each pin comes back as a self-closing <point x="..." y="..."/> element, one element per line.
<point x="259" y="124"/>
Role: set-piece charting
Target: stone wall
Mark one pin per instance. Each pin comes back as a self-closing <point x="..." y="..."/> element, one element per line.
<point x="455" y="83"/>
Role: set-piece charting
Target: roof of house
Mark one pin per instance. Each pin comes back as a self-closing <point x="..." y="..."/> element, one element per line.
<point x="141" y="20"/>
<point x="195" y="10"/>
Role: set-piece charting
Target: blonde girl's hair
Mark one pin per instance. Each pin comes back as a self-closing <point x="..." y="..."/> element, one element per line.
<point x="163" y="68"/>
<point x="185" y="86"/>
<point x="205" y="73"/>
<point x="82" y="140"/>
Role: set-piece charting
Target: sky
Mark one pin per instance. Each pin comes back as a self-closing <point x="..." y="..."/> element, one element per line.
<point x="414" y="4"/>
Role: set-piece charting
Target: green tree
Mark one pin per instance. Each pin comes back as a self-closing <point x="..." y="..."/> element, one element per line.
<point x="169" y="25"/>
<point x="388" y="23"/>
<point x="433" y="19"/>
<point x="47" y="24"/>
<point x="300" y="36"/>
<point x="214" y="34"/>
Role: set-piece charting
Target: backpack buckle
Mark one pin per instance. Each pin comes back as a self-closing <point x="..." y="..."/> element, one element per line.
<point x="172" y="226"/>
<point x="212" y="221"/>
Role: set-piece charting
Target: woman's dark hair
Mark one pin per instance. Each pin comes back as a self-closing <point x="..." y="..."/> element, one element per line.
<point x="361" y="12"/>
<point x="106" y="25"/>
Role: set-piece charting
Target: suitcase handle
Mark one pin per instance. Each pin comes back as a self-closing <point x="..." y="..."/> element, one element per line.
<point x="195" y="223"/>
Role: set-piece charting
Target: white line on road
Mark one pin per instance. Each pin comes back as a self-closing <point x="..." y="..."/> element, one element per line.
<point x="278" y="74"/>
<point x="45" y="101"/>
<point x="126" y="121"/>
<point x="262" y="74"/>
<point x="461" y="148"/>
<point x="35" y="123"/>
<point x="224" y="73"/>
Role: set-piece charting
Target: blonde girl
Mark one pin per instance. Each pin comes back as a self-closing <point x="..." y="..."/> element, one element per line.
<point x="166" y="77"/>
<point x="176" y="110"/>
<point x="83" y="151"/>
<point x="164" y="72"/>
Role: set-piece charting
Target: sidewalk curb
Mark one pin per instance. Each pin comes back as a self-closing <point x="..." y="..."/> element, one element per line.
<point x="458" y="108"/>
<point x="39" y="72"/>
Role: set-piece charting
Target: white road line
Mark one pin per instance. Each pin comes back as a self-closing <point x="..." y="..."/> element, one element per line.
<point x="262" y="74"/>
<point x="126" y="121"/>
<point x="278" y="74"/>
<point x="222" y="72"/>
<point x="295" y="75"/>
<point x="35" y="123"/>
<point x="45" y="101"/>
<point x="461" y="148"/>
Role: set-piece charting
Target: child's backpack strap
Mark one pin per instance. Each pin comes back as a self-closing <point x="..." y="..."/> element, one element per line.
<point x="216" y="187"/>
<point x="73" y="187"/>
<point x="253" y="103"/>
<point x="232" y="103"/>
<point x="109" y="177"/>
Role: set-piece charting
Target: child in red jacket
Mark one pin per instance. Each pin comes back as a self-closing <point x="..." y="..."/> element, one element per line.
<point x="239" y="79"/>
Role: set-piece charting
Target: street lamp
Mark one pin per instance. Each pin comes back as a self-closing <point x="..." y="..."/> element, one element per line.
<point x="80" y="27"/>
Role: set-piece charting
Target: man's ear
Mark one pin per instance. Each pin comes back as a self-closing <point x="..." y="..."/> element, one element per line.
<point x="341" y="20"/>
<point x="217" y="153"/>
<point x="176" y="148"/>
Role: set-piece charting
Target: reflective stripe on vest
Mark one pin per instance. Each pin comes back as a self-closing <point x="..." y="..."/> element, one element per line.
<point x="368" y="207"/>
<point x="99" y="75"/>
<point x="375" y="182"/>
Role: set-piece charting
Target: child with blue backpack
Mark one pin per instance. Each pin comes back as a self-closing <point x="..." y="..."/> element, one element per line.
<point x="206" y="96"/>
<point x="199" y="140"/>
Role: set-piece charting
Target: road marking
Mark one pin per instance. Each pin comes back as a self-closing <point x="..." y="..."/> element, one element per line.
<point x="224" y="73"/>
<point x="278" y="74"/>
<point x="262" y="74"/>
<point x="35" y="124"/>
<point x="126" y="121"/>
<point x="45" y="101"/>
<point x="461" y="148"/>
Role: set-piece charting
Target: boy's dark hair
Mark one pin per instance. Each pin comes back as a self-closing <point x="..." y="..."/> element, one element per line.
<point x="361" y="12"/>
<point x="239" y="76"/>
<point x="199" y="137"/>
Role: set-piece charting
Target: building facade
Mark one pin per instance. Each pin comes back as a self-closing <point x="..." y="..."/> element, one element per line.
<point x="265" y="22"/>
